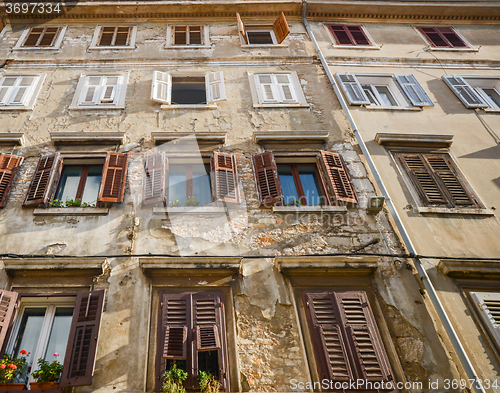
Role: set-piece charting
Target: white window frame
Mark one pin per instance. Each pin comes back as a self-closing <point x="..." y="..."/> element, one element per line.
<point x="24" y="36"/>
<point x="118" y="94"/>
<point x="97" y="33"/>
<point x="478" y="298"/>
<point x="30" y="96"/>
<point x="430" y="45"/>
<point x="365" y="31"/>
<point x="205" y="37"/>
<point x="476" y="84"/>
<point x="209" y="89"/>
<point x="258" y="95"/>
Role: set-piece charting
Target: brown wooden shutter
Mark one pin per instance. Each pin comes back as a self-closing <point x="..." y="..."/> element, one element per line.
<point x="338" y="175"/>
<point x="341" y="35"/>
<point x="82" y="343"/>
<point x="175" y="325"/>
<point x="241" y="28"/>
<point x="225" y="175"/>
<point x="8" y="307"/>
<point x="114" y="175"/>
<point x="44" y="180"/>
<point x="267" y="179"/>
<point x="9" y="165"/>
<point x="281" y="29"/>
<point x="153" y="181"/>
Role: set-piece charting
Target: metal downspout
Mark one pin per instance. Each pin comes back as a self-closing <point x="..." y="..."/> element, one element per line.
<point x="450" y="331"/>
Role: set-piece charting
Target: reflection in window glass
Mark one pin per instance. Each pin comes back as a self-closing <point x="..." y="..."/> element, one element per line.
<point x="299" y="182"/>
<point x="189" y="180"/>
<point x="59" y="334"/>
<point x="80" y="182"/>
<point x="288" y="187"/>
<point x="189" y="90"/>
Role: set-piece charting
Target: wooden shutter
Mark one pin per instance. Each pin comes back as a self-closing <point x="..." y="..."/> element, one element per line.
<point x="338" y="175"/>
<point x="109" y="89"/>
<point x="358" y="35"/>
<point x="153" y="180"/>
<point x="180" y="35"/>
<point x="114" y="175"/>
<point x="434" y="37"/>
<point x="161" y="87"/>
<point x="215" y="86"/>
<point x="352" y="89"/>
<point x="225" y="175"/>
<point x="281" y="29"/>
<point x="241" y="28"/>
<point x="44" y="180"/>
<point x="82" y="343"/>
<point x="464" y="92"/>
<point x="91" y="90"/>
<point x="488" y="304"/>
<point x="349" y="35"/>
<point x="266" y="88"/>
<point x="22" y="91"/>
<point x="285" y="87"/>
<point x="176" y="315"/>
<point x="413" y="90"/>
<point x="7" y="85"/>
<point x="267" y="179"/>
<point x="8" y="307"/>
<point x="443" y="37"/>
<point x="9" y="165"/>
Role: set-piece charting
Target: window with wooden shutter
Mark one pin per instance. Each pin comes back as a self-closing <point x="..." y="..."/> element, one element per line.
<point x="413" y="90"/>
<point x="8" y="306"/>
<point x="443" y="37"/>
<point x="281" y="29"/>
<point x="44" y="181"/>
<point x="153" y="180"/>
<point x="267" y="179"/>
<point x="352" y="89"/>
<point x="349" y="35"/>
<point x="9" y="166"/>
<point x="338" y="175"/>
<point x="276" y="88"/>
<point x="113" y="180"/>
<point x="215" y="86"/>
<point x="96" y="90"/>
<point x="488" y="306"/>
<point x="241" y="28"/>
<point x="19" y="91"/>
<point x="463" y="90"/>
<point x="225" y="178"/>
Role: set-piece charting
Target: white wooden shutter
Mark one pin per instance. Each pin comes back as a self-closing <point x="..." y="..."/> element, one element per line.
<point x="215" y="86"/>
<point x="352" y="89"/>
<point x="23" y="89"/>
<point x="464" y="92"/>
<point x="90" y="90"/>
<point x="285" y="87"/>
<point x="109" y="89"/>
<point x="413" y="90"/>
<point x="266" y="88"/>
<point x="488" y="304"/>
<point x="7" y="86"/>
<point x="161" y="87"/>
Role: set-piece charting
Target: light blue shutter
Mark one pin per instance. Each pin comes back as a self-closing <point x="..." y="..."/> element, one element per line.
<point x="413" y="90"/>
<point x="464" y="92"/>
<point x="352" y="89"/>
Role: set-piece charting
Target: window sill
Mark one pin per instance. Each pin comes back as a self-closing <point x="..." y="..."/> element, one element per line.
<point x="77" y="108"/>
<point x="37" y="48"/>
<point x="492" y="110"/>
<point x="188" y="47"/>
<point x="394" y="108"/>
<point x="110" y="47"/>
<point x="461" y="211"/>
<point x="310" y="209"/>
<point x="281" y="105"/>
<point x="195" y="210"/>
<point x="432" y="48"/>
<point x="257" y="46"/>
<point x="196" y="106"/>
<point x="72" y="211"/>
<point x="376" y="47"/>
<point x="15" y="108"/>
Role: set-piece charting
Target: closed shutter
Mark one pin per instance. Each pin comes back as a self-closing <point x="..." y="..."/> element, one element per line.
<point x="153" y="180"/>
<point x="464" y="92"/>
<point x="266" y="86"/>
<point x="443" y="37"/>
<point x="80" y="356"/>
<point x="44" y="180"/>
<point x="285" y="88"/>
<point x="91" y="90"/>
<point x="23" y="90"/>
<point x="241" y="28"/>
<point x="352" y="89"/>
<point x="109" y="89"/>
<point x="358" y="35"/>
<point x="195" y="35"/>
<point x="281" y="29"/>
<point x="175" y="315"/>
<point x="349" y="35"/>
<point x="215" y="86"/>
<point x="7" y="85"/>
<point x="9" y="165"/>
<point x="266" y="179"/>
<point x="161" y="88"/>
<point x="114" y="175"/>
<point x="452" y="37"/>
<point x="413" y="90"/>
<point x="8" y="307"/>
<point x="488" y="304"/>
<point x="225" y="175"/>
<point x="338" y="175"/>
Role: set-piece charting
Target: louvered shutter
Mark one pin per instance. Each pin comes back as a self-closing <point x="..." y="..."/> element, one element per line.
<point x="215" y="86"/>
<point x="266" y="85"/>
<point x="153" y="179"/>
<point x="488" y="304"/>
<point x="9" y="165"/>
<point x="175" y="314"/>
<point x="44" y="180"/>
<point x="109" y="89"/>
<point x="80" y="356"/>
<point x="341" y="35"/>
<point x="91" y="90"/>
<point x="241" y="28"/>
<point x="267" y="179"/>
<point x="281" y="29"/>
<point x="161" y="87"/>
<point x="8" y="307"/>
<point x="285" y="88"/>
<point x="464" y="92"/>
<point x="113" y="180"/>
<point x="7" y="85"/>
<point x="434" y="37"/>
<point x="338" y="175"/>
<point x="453" y="38"/>
<point x="22" y="90"/>
<point x="358" y="35"/>
<point x="225" y="174"/>
<point x="413" y="90"/>
<point x="352" y="89"/>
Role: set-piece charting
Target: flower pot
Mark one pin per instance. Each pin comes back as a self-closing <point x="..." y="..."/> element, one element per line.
<point x="44" y="385"/>
<point x="12" y="386"/>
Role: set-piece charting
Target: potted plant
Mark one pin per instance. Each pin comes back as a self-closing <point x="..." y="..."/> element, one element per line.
<point x="191" y="201"/>
<point x="208" y="383"/>
<point x="48" y="374"/>
<point x="172" y="380"/>
<point x="11" y="369"/>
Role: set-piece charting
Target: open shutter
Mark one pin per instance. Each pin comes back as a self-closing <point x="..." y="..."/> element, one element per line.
<point x="241" y="28"/>
<point x="153" y="180"/>
<point x="266" y="86"/>
<point x="488" y="304"/>
<point x="44" y="180"/>
<point x="161" y="87"/>
<point x="267" y="179"/>
<point x="8" y="306"/>
<point x="82" y="343"/>
<point x="338" y="175"/>
<point x="225" y="174"/>
<point x="413" y="90"/>
<point x="464" y="92"/>
<point x="175" y="325"/>
<point x="114" y="174"/>
<point x="9" y="165"/>
<point x="215" y="86"/>
<point x="285" y="87"/>
<point x="352" y="89"/>
<point x="281" y="29"/>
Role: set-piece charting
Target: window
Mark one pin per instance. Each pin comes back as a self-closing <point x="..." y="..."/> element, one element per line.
<point x="19" y="91"/>
<point x="192" y="334"/>
<point x="476" y="92"/>
<point x="171" y="180"/>
<point x="350" y="35"/>
<point x="103" y="91"/>
<point x="9" y="166"/>
<point x="173" y="90"/>
<point x="47" y="37"/>
<point x="300" y="179"/>
<point x="488" y="306"/>
<point x="114" y="37"/>
<point x="187" y="36"/>
<point x="45" y="325"/>
<point x="385" y="91"/>
<point x="277" y="89"/>
<point x="92" y="180"/>
<point x="443" y="37"/>
<point x="345" y="338"/>
<point x="263" y="34"/>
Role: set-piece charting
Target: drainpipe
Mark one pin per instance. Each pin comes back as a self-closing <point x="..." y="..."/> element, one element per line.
<point x="452" y="335"/>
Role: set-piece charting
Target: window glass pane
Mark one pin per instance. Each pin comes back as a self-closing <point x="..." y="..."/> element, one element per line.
<point x="386" y="96"/>
<point x="201" y="184"/>
<point x="70" y="180"/>
<point x="310" y="184"/>
<point x="287" y="184"/>
<point x="494" y="97"/>
<point x="176" y="185"/>
<point x="368" y="91"/>
<point x="259" y="37"/>
<point x="91" y="190"/>
<point x="188" y="90"/>
<point x="209" y="361"/>
<point x="59" y="334"/>
<point x="29" y="332"/>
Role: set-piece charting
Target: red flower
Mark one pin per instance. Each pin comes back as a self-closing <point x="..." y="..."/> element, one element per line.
<point x="2" y="366"/>
<point x="12" y="366"/>
<point x="23" y="352"/>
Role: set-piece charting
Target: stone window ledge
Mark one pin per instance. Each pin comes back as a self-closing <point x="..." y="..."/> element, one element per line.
<point x="72" y="211"/>
<point x="413" y="140"/>
<point x="188" y="47"/>
<point x="461" y="211"/>
<point x="95" y="265"/>
<point x="393" y="108"/>
<point x="189" y="106"/>
<point x="356" y="265"/>
<point x="191" y="210"/>
<point x="310" y="209"/>
<point x="11" y="138"/>
<point x="470" y="269"/>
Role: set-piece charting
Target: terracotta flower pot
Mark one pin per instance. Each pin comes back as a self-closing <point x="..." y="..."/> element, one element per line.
<point x="44" y="385"/>
<point x="12" y="386"/>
